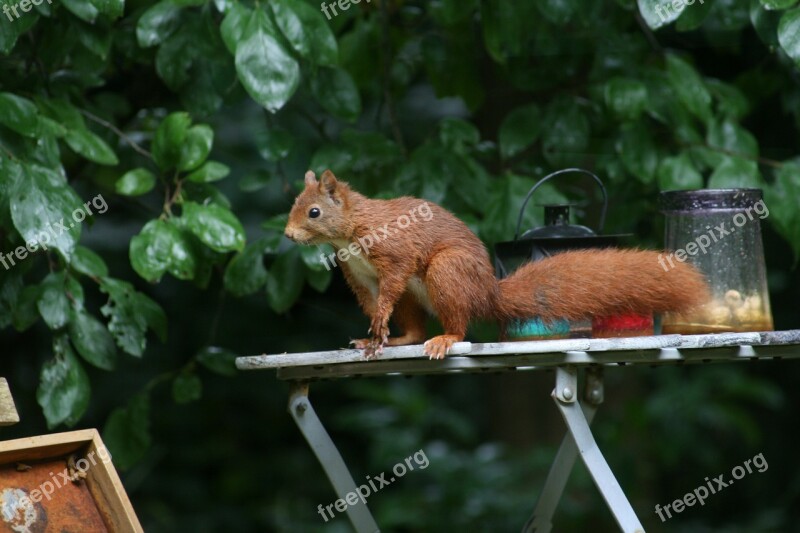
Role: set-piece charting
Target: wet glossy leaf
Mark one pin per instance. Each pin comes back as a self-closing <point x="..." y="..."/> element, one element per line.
<point x="267" y="71"/>
<point x="63" y="391"/>
<point x="246" y="273"/>
<point x="217" y="227"/>
<point x="135" y="182"/>
<point x="92" y="340"/>
<point x="157" y="23"/>
<point x="18" y="113"/>
<point x="162" y="247"/>
<point x="88" y="262"/>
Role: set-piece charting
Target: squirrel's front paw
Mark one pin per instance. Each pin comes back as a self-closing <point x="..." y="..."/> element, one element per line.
<point x="360" y="344"/>
<point x="374" y="348"/>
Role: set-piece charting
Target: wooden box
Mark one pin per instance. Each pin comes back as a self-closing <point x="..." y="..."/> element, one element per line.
<point x="62" y="483"/>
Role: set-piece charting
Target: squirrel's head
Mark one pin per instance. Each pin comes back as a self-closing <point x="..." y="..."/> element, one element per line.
<point x="319" y="213"/>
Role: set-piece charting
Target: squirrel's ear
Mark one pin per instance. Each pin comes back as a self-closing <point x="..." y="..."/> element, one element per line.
<point x="311" y="178"/>
<point x="327" y="183"/>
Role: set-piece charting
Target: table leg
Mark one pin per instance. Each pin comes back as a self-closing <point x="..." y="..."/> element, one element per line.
<point x="329" y="457"/>
<point x="541" y="521"/>
<point x="578" y="426"/>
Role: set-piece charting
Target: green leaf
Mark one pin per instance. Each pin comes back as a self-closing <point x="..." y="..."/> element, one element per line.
<point x="689" y="87"/>
<point x="658" y="13"/>
<point x="735" y="172"/>
<point x="519" y="130"/>
<point x="285" y="281"/>
<point x="337" y="93"/>
<point x="169" y="139"/>
<point x="127" y="432"/>
<point x="694" y="17"/>
<point x="765" y="23"/>
<point x="162" y="247"/>
<point x="41" y="204"/>
<point x="154" y="316"/>
<point x="196" y="147"/>
<point x="234" y="25"/>
<point x="157" y="23"/>
<point x="186" y="388"/>
<point x="638" y="152"/>
<point x="778" y="4"/>
<point x="626" y="98"/>
<point x="729" y="138"/>
<point x="781" y="197"/>
<point x="269" y="74"/>
<point x="217" y="227"/>
<point x="458" y="134"/>
<point x="218" y="360"/>
<point x="130" y="314"/>
<point x="568" y="136"/>
<point x="319" y="279"/>
<point x="10" y="33"/>
<point x="25" y="312"/>
<point x="789" y="34"/>
<point x="19" y="114"/>
<point x="64" y="390"/>
<point x="92" y="340"/>
<point x="83" y="9"/>
<point x="90" y="146"/>
<point x="113" y="9"/>
<point x="210" y="171"/>
<point x="10" y="289"/>
<point x="307" y="31"/>
<point x="135" y="182"/>
<point x="274" y="144"/>
<point x="245" y="273"/>
<point x="53" y="303"/>
<point x="731" y="102"/>
<point x="678" y="173"/>
<point x="504" y="204"/>
<point x="87" y="262"/>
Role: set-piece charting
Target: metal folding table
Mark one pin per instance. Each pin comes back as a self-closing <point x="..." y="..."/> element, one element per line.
<point x="568" y="357"/>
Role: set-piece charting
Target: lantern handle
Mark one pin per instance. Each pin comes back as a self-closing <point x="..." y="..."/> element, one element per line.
<point x="553" y="175"/>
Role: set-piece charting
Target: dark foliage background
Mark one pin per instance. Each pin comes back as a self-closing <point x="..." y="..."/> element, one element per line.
<point x="195" y="120"/>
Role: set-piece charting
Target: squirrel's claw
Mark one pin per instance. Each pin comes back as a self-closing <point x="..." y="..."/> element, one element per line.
<point x="438" y="347"/>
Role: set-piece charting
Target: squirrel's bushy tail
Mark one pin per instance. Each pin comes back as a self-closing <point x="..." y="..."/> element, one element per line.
<point x="600" y="282"/>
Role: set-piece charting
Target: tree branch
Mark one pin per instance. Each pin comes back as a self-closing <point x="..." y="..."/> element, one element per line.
<point x="119" y="132"/>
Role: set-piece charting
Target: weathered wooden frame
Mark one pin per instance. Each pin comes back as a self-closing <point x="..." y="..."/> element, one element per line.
<point x="101" y="480"/>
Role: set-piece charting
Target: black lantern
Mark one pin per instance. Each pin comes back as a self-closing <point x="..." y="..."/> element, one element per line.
<point x="556" y="236"/>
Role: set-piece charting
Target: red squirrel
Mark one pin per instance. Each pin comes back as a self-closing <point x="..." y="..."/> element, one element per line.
<point x="401" y="265"/>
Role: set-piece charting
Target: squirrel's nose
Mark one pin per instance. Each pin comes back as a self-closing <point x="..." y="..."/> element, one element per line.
<point x="289" y="234"/>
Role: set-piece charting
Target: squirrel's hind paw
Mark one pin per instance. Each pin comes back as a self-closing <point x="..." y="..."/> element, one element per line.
<point x="439" y="346"/>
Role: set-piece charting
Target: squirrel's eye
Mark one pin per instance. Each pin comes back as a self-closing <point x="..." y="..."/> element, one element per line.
<point x="314" y="213"/>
